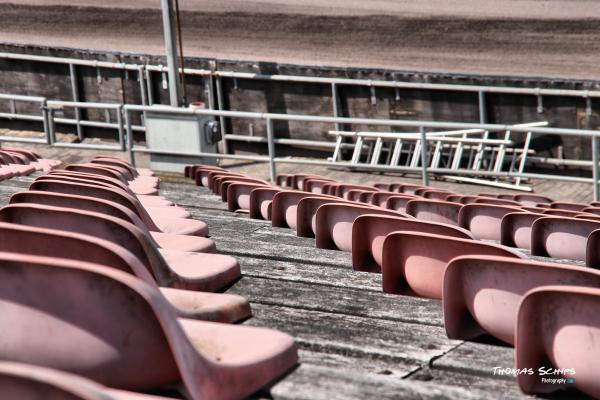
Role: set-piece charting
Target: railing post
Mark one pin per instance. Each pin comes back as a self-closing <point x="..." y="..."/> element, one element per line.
<point x="46" y="121"/>
<point x="220" y="106"/>
<point x="335" y="99"/>
<point x="121" y="130"/>
<point x="129" y="137"/>
<point x="424" y="157"/>
<point x="271" y="145"/>
<point x="75" y="93"/>
<point x="595" y="167"/>
<point x="482" y="108"/>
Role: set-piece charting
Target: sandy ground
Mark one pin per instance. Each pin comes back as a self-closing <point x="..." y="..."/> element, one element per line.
<point x="513" y="37"/>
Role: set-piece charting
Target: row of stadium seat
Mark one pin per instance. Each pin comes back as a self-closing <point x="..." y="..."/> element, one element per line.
<point x="463" y="250"/>
<point x="108" y="289"/>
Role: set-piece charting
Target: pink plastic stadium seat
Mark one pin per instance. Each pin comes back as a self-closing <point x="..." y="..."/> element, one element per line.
<point x="568" y="341"/>
<point x="484" y="220"/>
<point x="434" y="210"/>
<point x="414" y="263"/>
<point x="260" y="202"/>
<point x="306" y="213"/>
<point x="119" y="333"/>
<point x="238" y="195"/>
<point x="515" y="229"/>
<point x="162" y="240"/>
<point x="170" y="268"/>
<point x="369" y="232"/>
<point x="284" y="205"/>
<point x="37" y="241"/>
<point x="399" y="202"/>
<point x="333" y="223"/>
<point x="30" y="382"/>
<point x="482" y="293"/>
<point x="561" y="237"/>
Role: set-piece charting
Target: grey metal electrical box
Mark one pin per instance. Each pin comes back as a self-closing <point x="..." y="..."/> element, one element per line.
<point x="183" y="134"/>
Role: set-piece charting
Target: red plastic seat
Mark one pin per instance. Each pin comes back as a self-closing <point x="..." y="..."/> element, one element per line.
<point x="484" y="220"/>
<point x="201" y="174"/>
<point x="114" y="336"/>
<point x="284" y="205"/>
<point x="407" y="188"/>
<point x="212" y="176"/>
<point x="399" y="202"/>
<point x="515" y="229"/>
<point x="223" y="185"/>
<point x="561" y="237"/>
<point x="238" y="195"/>
<point x="284" y="180"/>
<point x="569" y="340"/>
<point x="482" y="293"/>
<point x="306" y="212"/>
<point x="369" y="232"/>
<point x="343" y="188"/>
<point x="260" y="202"/>
<point x="531" y="199"/>
<point x="333" y="223"/>
<point x="380" y="198"/>
<point x="414" y="263"/>
<point x="561" y="213"/>
<point x="499" y="202"/>
<point x="297" y="179"/>
<point x="434" y="194"/>
<point x="30" y="382"/>
<point x="443" y="212"/>
<point x="359" y="195"/>
<point x="462" y="199"/>
<point x="159" y="223"/>
<point x="163" y="240"/>
<point x="315" y="185"/>
<point x="563" y="205"/>
<point x="29" y="240"/>
<point x="170" y="268"/>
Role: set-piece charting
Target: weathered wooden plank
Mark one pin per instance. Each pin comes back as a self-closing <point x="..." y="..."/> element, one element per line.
<point x="499" y="388"/>
<point x="312" y="382"/>
<point x="309" y="273"/>
<point x="338" y="300"/>
<point x="367" y="365"/>
<point x="476" y="359"/>
<point x="245" y="247"/>
<point x="356" y="336"/>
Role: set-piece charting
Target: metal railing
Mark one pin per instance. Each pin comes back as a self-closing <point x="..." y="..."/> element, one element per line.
<point x="214" y="76"/>
<point x="428" y="132"/>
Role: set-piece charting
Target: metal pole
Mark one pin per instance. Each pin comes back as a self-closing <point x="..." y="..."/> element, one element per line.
<point x="335" y="98"/>
<point x="482" y="108"/>
<point x="271" y="144"/>
<point x="595" y="167"/>
<point x="75" y="91"/>
<point x="171" y="48"/>
<point x="120" y="128"/>
<point x="424" y="158"/>
<point x="129" y="138"/>
<point x="220" y="107"/>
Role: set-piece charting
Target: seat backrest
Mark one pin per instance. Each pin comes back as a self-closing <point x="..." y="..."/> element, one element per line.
<point x="94" y="190"/>
<point x="561" y="237"/>
<point x="26" y="239"/>
<point x="98" y="225"/>
<point x="103" y="170"/>
<point x="84" y="203"/>
<point x="85" y="318"/>
<point x="93" y="177"/>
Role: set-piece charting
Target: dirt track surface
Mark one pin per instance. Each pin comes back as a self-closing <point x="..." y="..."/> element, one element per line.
<point x="558" y="38"/>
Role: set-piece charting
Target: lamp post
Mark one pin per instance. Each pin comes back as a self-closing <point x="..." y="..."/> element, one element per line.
<point x="168" y="16"/>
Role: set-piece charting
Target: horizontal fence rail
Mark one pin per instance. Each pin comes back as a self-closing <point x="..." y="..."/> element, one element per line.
<point x="429" y="131"/>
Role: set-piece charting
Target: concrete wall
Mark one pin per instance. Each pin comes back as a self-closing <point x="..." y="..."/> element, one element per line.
<point x="53" y="81"/>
